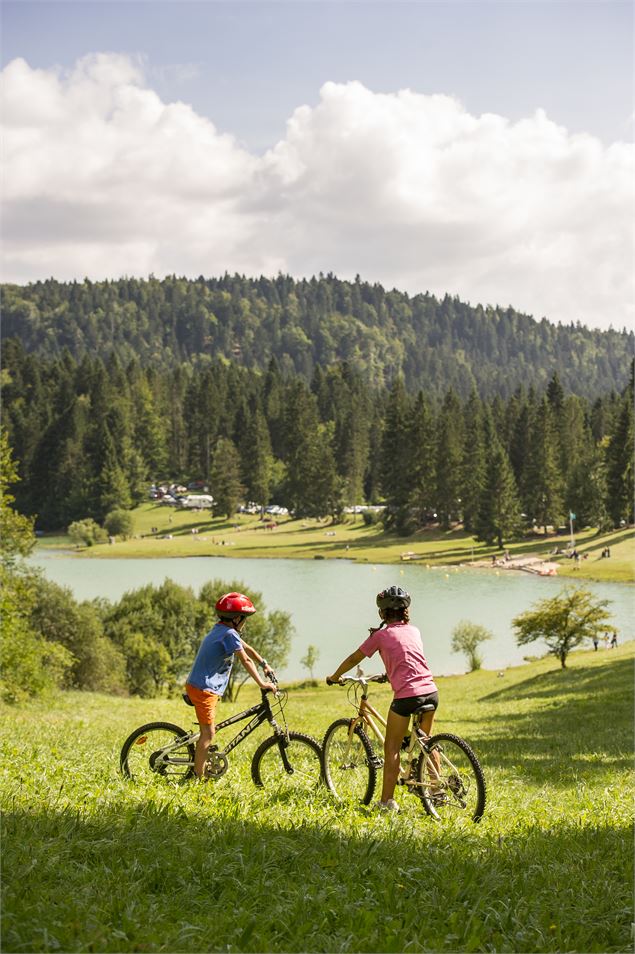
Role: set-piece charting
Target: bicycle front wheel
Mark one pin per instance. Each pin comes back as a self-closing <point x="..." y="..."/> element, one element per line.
<point x="350" y="765"/>
<point x="154" y="749"/>
<point x="451" y="780"/>
<point x="288" y="763"/>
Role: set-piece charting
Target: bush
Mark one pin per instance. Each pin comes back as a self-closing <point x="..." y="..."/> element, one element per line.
<point x="87" y="533"/>
<point x="96" y="663"/>
<point x="119" y="523"/>
<point x="466" y="638"/>
<point x="28" y="663"/>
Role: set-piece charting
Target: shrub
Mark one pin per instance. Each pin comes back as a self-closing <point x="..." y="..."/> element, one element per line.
<point x="119" y="523"/>
<point x="466" y="638"/>
<point x="87" y="533"/>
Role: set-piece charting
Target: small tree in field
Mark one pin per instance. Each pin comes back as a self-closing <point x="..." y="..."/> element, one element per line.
<point x="119" y="523"/>
<point x="466" y="638"/>
<point x="86" y="533"/>
<point x="564" y="622"/>
<point x="310" y="659"/>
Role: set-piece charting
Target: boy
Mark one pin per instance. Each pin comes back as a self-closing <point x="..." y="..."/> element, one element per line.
<point x="210" y="673"/>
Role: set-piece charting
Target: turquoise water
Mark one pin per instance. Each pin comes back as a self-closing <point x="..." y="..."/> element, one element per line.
<point x="332" y="602"/>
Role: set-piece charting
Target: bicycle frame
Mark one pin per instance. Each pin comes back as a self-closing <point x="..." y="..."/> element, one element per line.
<point x="261" y="712"/>
<point x="370" y="717"/>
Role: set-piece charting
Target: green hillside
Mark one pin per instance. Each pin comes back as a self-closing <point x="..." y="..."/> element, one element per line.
<point x="94" y="863"/>
<point x="435" y="344"/>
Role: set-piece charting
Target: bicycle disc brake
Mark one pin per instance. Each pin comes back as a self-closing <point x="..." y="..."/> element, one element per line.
<point x="216" y="765"/>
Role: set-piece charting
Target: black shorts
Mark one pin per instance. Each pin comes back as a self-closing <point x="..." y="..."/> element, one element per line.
<point x="405" y="707"/>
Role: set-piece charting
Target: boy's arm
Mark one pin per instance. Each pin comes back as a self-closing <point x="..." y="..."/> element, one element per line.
<point x="350" y="661"/>
<point x="253" y="672"/>
<point x="257" y="658"/>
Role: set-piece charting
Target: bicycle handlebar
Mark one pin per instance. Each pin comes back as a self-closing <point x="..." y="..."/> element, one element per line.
<point x="360" y="680"/>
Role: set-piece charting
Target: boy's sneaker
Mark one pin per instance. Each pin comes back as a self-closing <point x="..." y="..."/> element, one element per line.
<point x="389" y="806"/>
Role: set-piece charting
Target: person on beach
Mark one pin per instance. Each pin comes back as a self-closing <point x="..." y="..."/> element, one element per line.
<point x="212" y="667"/>
<point x="399" y="645"/>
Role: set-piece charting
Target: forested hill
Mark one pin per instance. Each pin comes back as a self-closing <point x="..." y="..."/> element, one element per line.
<point x="435" y="344"/>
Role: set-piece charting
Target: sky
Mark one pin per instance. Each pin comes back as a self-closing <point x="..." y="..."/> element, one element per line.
<point x="478" y="148"/>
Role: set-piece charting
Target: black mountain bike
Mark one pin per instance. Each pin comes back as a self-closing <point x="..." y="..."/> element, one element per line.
<point x="284" y="760"/>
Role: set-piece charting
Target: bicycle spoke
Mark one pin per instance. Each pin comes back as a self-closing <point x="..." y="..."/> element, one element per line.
<point x="350" y="768"/>
<point x="303" y="771"/>
<point x="451" y="779"/>
<point x="151" y="751"/>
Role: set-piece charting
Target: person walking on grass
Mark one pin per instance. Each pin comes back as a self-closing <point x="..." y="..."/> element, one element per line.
<point x="400" y="647"/>
<point x="210" y="673"/>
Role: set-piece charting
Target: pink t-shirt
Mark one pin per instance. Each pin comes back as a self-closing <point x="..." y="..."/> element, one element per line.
<point x="401" y="650"/>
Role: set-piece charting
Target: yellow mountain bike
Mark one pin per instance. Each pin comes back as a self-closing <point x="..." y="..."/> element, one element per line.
<point x="441" y="770"/>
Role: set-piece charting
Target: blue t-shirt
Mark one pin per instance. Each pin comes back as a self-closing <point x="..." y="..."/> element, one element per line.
<point x="214" y="659"/>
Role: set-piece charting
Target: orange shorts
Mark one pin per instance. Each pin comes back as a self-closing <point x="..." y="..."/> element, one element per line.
<point x="204" y="703"/>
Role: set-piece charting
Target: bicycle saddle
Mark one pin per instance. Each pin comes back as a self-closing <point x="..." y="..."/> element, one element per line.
<point x="424" y="707"/>
<point x="187" y="700"/>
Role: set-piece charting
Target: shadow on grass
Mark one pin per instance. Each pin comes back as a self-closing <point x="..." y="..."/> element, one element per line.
<point x="583" y="724"/>
<point x="150" y="877"/>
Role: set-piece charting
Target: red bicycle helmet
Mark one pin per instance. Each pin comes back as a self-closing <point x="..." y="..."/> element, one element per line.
<point x="235" y="604"/>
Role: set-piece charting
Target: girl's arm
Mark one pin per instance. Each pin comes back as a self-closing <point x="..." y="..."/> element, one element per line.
<point x="350" y="661"/>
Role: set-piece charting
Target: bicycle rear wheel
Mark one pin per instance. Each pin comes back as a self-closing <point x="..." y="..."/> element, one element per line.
<point x="299" y="769"/>
<point x="150" y="751"/>
<point x="451" y="780"/>
<point x="350" y="765"/>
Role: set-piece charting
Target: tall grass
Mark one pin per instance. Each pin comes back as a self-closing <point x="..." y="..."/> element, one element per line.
<point x="92" y="862"/>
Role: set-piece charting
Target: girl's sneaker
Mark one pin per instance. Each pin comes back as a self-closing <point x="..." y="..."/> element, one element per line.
<point x="389" y="806"/>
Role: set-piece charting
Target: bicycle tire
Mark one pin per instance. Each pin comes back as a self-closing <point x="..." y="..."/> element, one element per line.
<point x="462" y="783"/>
<point x="304" y="755"/>
<point x="137" y="757"/>
<point x="355" y="779"/>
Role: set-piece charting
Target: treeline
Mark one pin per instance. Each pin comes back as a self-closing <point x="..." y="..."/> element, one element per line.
<point x="91" y="437"/>
<point x="433" y="344"/>
<point x="143" y="644"/>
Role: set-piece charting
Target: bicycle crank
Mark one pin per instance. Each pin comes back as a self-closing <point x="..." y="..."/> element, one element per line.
<point x="216" y="765"/>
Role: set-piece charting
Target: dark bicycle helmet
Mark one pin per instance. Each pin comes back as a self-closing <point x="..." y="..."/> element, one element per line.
<point x="393" y="598"/>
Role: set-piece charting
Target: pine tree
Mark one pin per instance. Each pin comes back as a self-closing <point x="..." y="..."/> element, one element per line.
<point x="498" y="516"/>
<point x="619" y="462"/>
<point x="225" y="478"/>
<point x="473" y="463"/>
<point x="256" y="458"/>
<point x="450" y="441"/>
<point x="421" y="461"/>
<point x="396" y="481"/>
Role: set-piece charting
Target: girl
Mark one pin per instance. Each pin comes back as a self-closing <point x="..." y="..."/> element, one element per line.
<point x="399" y="645"/>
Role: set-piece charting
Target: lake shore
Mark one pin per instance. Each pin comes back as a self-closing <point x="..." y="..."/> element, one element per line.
<point x="161" y="532"/>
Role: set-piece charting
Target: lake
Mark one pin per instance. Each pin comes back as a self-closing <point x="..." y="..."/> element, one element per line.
<point x="332" y="602"/>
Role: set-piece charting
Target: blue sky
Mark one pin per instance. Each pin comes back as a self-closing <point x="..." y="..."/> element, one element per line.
<point x="246" y="66"/>
<point x="478" y="148"/>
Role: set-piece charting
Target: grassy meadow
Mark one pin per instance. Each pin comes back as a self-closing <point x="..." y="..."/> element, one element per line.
<point x="92" y="862"/>
<point x="161" y="531"/>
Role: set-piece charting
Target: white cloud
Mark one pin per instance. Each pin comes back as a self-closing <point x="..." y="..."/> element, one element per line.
<point x="102" y="178"/>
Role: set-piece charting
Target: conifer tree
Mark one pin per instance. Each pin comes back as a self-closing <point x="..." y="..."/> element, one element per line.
<point x="225" y="478"/>
<point x="450" y="440"/>
<point x="396" y="481"/>
<point x="498" y="517"/>
<point x="619" y="463"/>
<point x="473" y="463"/>
<point x="420" y="453"/>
